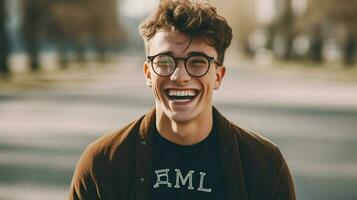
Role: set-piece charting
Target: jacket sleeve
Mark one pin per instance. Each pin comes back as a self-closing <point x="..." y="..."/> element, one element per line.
<point x="84" y="184"/>
<point x="284" y="188"/>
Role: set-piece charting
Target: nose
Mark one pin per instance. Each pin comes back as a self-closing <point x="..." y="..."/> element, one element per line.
<point x="180" y="74"/>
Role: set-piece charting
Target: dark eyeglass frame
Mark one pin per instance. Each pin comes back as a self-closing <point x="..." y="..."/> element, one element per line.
<point x="209" y="59"/>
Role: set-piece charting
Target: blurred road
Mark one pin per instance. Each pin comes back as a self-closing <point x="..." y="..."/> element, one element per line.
<point x="46" y="122"/>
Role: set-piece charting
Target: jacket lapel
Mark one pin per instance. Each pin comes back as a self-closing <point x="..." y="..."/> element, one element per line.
<point x="230" y="158"/>
<point x="144" y="157"/>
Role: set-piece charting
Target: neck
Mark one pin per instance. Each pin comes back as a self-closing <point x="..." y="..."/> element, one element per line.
<point x="184" y="132"/>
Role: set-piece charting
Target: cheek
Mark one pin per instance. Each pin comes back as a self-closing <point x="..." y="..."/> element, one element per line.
<point x="156" y="88"/>
<point x="207" y="87"/>
<point x="208" y="82"/>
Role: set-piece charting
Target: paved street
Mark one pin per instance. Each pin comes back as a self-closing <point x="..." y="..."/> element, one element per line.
<point x="46" y="122"/>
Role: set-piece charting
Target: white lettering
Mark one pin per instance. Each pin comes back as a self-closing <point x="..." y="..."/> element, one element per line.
<point x="188" y="177"/>
<point x="202" y="176"/>
<point x="162" y="176"/>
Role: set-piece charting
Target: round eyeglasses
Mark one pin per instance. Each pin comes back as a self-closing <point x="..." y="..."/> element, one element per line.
<point x="195" y="65"/>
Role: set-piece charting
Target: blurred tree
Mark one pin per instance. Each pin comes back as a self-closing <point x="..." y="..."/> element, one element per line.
<point x="316" y="21"/>
<point x="283" y="27"/>
<point x="73" y="26"/>
<point x="241" y="16"/>
<point x="344" y="14"/>
<point x="4" y="47"/>
<point x="79" y="24"/>
<point x="350" y="49"/>
<point x="316" y="44"/>
<point x="328" y="19"/>
<point x="32" y="17"/>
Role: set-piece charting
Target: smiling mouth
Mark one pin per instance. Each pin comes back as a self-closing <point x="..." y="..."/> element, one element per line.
<point x="181" y="95"/>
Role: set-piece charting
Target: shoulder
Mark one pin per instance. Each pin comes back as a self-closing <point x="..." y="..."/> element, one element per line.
<point x="95" y="166"/>
<point x="257" y="150"/>
<point x="264" y="167"/>
<point x="107" y="145"/>
<point x="100" y="154"/>
<point x="261" y="159"/>
<point x="249" y="142"/>
<point x="254" y="143"/>
<point x="265" y="170"/>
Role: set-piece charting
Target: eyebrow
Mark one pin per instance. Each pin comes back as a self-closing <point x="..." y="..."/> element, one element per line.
<point x="193" y="53"/>
<point x="198" y="53"/>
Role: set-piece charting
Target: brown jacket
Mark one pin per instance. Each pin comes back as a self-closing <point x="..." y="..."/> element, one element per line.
<point x="118" y="165"/>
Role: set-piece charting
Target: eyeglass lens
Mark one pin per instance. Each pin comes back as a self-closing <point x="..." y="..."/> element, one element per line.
<point x="164" y="65"/>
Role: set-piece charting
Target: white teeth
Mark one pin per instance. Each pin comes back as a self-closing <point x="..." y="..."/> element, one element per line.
<point x="181" y="93"/>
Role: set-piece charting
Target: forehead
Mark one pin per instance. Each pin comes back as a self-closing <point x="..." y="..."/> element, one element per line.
<point x="179" y="44"/>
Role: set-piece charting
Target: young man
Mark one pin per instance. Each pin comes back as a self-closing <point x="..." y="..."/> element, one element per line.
<point x="184" y="148"/>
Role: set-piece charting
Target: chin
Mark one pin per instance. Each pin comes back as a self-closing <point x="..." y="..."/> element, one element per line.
<point x="178" y="117"/>
<point x="182" y="116"/>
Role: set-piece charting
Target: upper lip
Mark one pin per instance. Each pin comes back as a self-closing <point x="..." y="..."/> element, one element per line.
<point x="181" y="89"/>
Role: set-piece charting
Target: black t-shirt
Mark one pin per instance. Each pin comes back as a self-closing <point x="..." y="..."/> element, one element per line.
<point x="186" y="172"/>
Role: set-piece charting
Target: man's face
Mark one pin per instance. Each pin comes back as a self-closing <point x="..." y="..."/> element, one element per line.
<point x="167" y="89"/>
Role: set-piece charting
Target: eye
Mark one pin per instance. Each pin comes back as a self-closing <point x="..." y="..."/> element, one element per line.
<point x="197" y="61"/>
<point x="164" y="61"/>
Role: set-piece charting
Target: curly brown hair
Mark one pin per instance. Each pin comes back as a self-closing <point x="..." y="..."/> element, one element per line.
<point x="193" y="18"/>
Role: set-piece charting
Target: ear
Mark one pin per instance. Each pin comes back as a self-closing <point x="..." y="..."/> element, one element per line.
<point x="220" y="72"/>
<point x="147" y="74"/>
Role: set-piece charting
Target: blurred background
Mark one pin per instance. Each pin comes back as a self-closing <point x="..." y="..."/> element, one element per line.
<point x="71" y="70"/>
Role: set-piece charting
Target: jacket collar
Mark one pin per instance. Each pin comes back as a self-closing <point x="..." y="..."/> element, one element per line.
<point x="148" y="124"/>
<point x="227" y="140"/>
